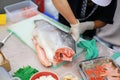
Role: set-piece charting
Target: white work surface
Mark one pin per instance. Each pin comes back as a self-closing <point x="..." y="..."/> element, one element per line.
<point x="21" y="55"/>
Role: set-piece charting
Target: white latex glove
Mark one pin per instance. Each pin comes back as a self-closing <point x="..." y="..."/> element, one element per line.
<point x="80" y="28"/>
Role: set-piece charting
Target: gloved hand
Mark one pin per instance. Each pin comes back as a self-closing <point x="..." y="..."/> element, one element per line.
<point x="79" y="28"/>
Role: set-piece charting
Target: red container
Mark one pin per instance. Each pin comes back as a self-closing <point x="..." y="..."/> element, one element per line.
<point x="39" y="74"/>
<point x="40" y="4"/>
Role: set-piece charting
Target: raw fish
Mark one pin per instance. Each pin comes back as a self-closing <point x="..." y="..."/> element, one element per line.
<point x="52" y="44"/>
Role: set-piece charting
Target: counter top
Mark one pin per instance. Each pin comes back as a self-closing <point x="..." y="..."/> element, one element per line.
<point x="21" y="55"/>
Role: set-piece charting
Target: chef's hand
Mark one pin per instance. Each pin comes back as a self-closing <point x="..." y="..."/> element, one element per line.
<point x="79" y="28"/>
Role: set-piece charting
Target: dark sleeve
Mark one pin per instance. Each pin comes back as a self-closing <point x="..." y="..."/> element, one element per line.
<point x="106" y="14"/>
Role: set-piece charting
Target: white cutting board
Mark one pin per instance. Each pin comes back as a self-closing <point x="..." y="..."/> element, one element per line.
<point x="23" y="29"/>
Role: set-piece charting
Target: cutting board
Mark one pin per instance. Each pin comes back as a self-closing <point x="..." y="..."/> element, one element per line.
<point x="23" y="29"/>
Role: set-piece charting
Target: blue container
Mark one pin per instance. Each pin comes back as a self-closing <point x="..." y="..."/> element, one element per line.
<point x="51" y="16"/>
<point x="4" y="75"/>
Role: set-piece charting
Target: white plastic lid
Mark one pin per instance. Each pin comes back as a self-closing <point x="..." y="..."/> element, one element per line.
<point x="15" y="78"/>
<point x="102" y="2"/>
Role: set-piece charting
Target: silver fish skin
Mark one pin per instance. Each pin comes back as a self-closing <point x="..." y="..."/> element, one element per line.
<point x="54" y="41"/>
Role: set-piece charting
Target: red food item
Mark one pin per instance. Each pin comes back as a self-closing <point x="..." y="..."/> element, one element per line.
<point x="95" y="72"/>
<point x="28" y="12"/>
<point x="107" y="70"/>
<point x="89" y="72"/>
<point x="110" y="70"/>
<point x="96" y="78"/>
<point x="92" y="78"/>
<point x="100" y="78"/>
<point x="63" y="54"/>
<point x="41" y="54"/>
<point x="100" y="69"/>
<point x="108" y="66"/>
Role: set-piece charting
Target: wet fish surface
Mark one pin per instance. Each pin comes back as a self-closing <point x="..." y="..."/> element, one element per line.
<point x="52" y="44"/>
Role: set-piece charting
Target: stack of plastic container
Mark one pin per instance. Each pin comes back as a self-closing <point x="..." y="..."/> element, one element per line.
<point x="21" y="10"/>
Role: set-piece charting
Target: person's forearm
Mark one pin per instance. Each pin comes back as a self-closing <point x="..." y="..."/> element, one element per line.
<point x="64" y="9"/>
<point x="99" y="24"/>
